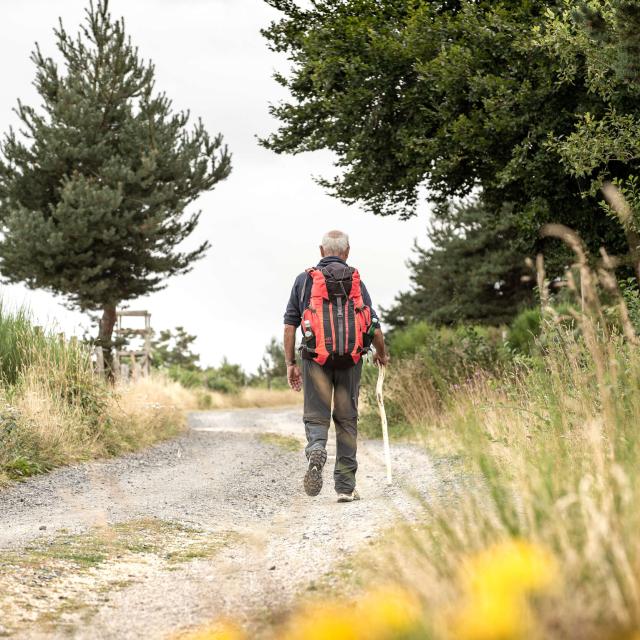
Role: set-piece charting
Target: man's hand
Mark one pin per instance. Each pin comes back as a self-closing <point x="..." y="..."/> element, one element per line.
<point x="380" y="355"/>
<point x="294" y="377"/>
<point x="380" y="359"/>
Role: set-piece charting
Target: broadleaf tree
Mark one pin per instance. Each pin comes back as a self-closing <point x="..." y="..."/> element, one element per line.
<point x="600" y="40"/>
<point x="455" y="99"/>
<point x="95" y="185"/>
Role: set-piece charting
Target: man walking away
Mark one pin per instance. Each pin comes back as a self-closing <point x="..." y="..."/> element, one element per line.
<point x="334" y="309"/>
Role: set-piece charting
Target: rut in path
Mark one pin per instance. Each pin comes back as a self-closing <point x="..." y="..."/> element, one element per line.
<point x="212" y="524"/>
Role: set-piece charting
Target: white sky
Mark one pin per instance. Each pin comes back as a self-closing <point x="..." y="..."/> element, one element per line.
<point x="265" y="221"/>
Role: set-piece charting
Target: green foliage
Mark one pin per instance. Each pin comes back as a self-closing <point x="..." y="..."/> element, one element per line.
<point x="22" y="467"/>
<point x="189" y="378"/>
<point x="227" y="378"/>
<point x="94" y="189"/>
<point x="598" y="43"/>
<point x="272" y="373"/>
<point x="525" y="330"/>
<point x="631" y="296"/>
<point x="472" y="272"/>
<point x="409" y="94"/>
<point x="173" y="349"/>
<point x="453" y="100"/>
<point x="216" y="382"/>
<point x="449" y="354"/>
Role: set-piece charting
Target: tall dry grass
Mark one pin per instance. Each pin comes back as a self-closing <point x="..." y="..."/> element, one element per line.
<point x="552" y="456"/>
<point x="246" y="398"/>
<point x="40" y="430"/>
<point x="54" y="410"/>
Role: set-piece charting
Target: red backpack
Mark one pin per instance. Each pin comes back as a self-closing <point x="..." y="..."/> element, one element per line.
<point x="335" y="325"/>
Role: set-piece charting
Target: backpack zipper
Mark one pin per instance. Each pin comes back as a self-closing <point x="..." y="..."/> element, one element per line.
<point x="340" y="327"/>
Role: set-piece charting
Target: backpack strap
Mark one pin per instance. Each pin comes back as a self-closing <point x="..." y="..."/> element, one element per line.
<point x="319" y="286"/>
<point x="304" y="286"/>
<point x="356" y="288"/>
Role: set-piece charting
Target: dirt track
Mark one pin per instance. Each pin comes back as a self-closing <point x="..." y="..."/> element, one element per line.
<point x="223" y="499"/>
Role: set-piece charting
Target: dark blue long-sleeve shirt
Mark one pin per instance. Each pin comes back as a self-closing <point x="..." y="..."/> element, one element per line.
<point x="301" y="294"/>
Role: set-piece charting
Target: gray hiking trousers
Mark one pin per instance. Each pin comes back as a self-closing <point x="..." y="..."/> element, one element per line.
<point x="321" y="384"/>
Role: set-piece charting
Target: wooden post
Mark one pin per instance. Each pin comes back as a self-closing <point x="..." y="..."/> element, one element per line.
<point x="117" y="367"/>
<point x="135" y="369"/>
<point x="139" y="358"/>
<point x="99" y="361"/>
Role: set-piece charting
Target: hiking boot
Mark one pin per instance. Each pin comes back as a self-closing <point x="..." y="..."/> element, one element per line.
<point x="313" y="477"/>
<point x="349" y="497"/>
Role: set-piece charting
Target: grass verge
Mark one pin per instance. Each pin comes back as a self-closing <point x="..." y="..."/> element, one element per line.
<point x="57" y="582"/>
<point x="247" y="398"/>
<point x="43" y="425"/>
<point x="288" y="443"/>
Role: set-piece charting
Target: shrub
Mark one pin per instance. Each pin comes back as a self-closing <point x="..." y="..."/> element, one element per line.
<point x="215" y="381"/>
<point x="189" y="378"/>
<point x="524" y="330"/>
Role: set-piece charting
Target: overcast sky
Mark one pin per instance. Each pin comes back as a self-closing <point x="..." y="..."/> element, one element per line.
<point x="265" y="221"/>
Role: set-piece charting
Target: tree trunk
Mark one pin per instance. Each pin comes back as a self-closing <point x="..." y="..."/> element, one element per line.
<point x="105" y="342"/>
<point x="633" y="240"/>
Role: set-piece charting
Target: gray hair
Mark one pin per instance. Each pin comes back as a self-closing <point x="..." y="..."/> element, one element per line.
<point x="335" y="243"/>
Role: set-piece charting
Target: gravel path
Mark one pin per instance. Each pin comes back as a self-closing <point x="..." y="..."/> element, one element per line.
<point x="222" y="476"/>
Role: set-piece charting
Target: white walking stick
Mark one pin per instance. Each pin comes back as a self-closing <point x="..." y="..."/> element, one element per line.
<point x="383" y="418"/>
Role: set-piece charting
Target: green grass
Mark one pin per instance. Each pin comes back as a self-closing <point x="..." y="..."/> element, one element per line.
<point x="54" y="410"/>
<point x="288" y="443"/>
<point x="50" y="564"/>
<point x="171" y="541"/>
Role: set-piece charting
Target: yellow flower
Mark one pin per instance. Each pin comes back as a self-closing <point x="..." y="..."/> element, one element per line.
<point x="511" y="566"/>
<point x="492" y="616"/>
<point x="323" y="622"/>
<point x="497" y="582"/>
<point x="388" y="610"/>
<point x="379" y="615"/>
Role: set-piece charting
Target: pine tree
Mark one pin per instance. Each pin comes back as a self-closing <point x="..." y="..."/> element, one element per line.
<point x="173" y="349"/>
<point x="94" y="188"/>
<point x="273" y="365"/>
<point x="473" y="271"/>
